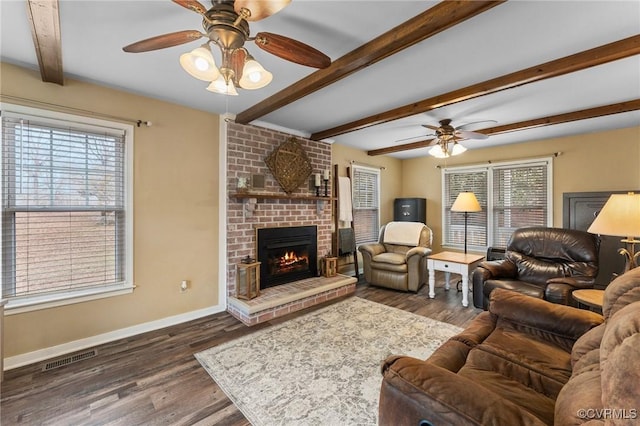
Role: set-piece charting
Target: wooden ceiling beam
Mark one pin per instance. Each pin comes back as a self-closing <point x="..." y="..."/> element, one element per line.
<point x="44" y="18"/>
<point x="568" y="117"/>
<point x="434" y="20"/>
<point x="579" y="61"/>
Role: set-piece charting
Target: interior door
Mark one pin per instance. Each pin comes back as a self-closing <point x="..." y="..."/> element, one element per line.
<point x="579" y="209"/>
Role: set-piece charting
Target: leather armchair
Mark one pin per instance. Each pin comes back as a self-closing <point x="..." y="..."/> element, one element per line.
<point x="399" y="259"/>
<point x="547" y="263"/>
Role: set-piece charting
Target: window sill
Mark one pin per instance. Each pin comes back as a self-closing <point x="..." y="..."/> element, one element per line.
<point x="35" y="303"/>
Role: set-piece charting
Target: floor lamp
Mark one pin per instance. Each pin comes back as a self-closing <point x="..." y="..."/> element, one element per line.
<point x="620" y="217"/>
<point x="466" y="202"/>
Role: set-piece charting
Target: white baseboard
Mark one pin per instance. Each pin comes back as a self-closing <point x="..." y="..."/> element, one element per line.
<point x="89" y="342"/>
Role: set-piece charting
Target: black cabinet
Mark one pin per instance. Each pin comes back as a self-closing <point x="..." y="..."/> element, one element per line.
<point x="578" y="211"/>
<point x="410" y="210"/>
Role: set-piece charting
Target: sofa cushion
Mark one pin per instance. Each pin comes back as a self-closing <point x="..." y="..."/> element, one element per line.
<point x="520" y="286"/>
<point x="390" y="262"/>
<point x="620" y="360"/>
<point x="625" y="291"/>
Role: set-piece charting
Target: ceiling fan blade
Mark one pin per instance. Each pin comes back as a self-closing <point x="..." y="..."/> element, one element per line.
<point x="192" y="5"/>
<point x="414" y="137"/>
<point x="429" y="126"/>
<point x="292" y="50"/>
<point x="470" y="135"/>
<point x="255" y="10"/>
<point x="476" y="125"/>
<point x="162" y="41"/>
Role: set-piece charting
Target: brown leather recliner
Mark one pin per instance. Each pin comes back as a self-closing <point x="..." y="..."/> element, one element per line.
<point x="547" y="263"/>
<point x="399" y="259"/>
<point x="526" y="362"/>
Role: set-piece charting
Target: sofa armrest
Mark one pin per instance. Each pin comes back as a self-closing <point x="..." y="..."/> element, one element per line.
<point x="371" y="249"/>
<point x="540" y="317"/>
<point x="503" y="268"/>
<point x="414" y="390"/>
<point x="575" y="281"/>
<point x="418" y="251"/>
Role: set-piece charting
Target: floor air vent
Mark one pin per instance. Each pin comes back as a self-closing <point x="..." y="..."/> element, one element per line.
<point x="69" y="360"/>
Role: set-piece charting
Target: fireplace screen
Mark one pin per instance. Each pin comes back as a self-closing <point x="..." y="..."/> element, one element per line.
<point x="287" y="254"/>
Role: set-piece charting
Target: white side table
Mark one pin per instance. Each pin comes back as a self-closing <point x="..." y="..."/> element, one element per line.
<point x="448" y="262"/>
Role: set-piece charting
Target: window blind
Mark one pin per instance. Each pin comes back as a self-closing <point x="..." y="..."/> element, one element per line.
<point x="520" y="199"/>
<point x="366" y="204"/>
<point x="63" y="206"/>
<point x="465" y="181"/>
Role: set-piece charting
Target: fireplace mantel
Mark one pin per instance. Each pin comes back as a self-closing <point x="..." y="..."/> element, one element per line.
<point x="259" y="196"/>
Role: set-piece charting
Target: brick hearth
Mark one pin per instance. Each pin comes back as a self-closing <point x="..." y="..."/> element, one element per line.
<point x="247" y="148"/>
<point x="281" y="300"/>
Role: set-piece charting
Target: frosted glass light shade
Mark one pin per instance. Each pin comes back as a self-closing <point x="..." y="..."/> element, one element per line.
<point x="199" y="63"/>
<point x="254" y="76"/>
<point x="620" y="216"/>
<point x="438" y="151"/>
<point x="457" y="149"/>
<point x="222" y="87"/>
<point x="466" y="202"/>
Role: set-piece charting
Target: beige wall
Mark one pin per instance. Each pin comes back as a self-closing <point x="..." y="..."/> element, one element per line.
<point x="175" y="214"/>
<point x="592" y="162"/>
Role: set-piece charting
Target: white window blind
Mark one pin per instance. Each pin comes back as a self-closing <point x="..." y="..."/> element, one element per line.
<point x="366" y="203"/>
<point x="520" y="198"/>
<point x="63" y="206"/>
<point x="512" y="195"/>
<point x="465" y="181"/>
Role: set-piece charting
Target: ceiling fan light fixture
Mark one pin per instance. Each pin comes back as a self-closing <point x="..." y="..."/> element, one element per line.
<point x="457" y="149"/>
<point x="255" y="10"/>
<point x="254" y="76"/>
<point x="199" y="63"/>
<point x="439" y="151"/>
<point x="223" y="87"/>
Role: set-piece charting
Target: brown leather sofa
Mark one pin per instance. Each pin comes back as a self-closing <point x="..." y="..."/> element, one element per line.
<point x="547" y="263"/>
<point x="526" y="362"/>
<point x="399" y="259"/>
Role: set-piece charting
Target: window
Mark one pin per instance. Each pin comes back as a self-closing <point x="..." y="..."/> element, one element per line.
<point x="512" y="195"/>
<point x="475" y="181"/>
<point x="366" y="203"/>
<point x="66" y="217"/>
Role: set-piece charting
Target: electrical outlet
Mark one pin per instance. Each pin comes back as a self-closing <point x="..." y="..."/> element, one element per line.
<point x="184" y="286"/>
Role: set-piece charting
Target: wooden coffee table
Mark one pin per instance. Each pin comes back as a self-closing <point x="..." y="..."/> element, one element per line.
<point x="448" y="262"/>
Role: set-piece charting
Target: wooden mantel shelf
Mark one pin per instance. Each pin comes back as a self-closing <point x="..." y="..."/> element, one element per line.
<point x="244" y="195"/>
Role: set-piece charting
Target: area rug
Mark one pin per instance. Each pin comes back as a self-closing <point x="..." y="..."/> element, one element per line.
<point x="322" y="368"/>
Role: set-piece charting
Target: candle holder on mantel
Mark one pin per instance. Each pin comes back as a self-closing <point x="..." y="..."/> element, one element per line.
<point x="317" y="183"/>
<point x="326" y="187"/>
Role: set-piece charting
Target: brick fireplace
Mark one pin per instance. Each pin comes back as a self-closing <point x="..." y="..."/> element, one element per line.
<point x="247" y="148"/>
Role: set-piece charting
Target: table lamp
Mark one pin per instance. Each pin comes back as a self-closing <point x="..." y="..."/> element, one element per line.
<point x="466" y="202"/>
<point x="620" y="217"/>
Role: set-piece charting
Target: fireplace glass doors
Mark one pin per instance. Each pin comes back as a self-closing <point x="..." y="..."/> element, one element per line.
<point x="287" y="254"/>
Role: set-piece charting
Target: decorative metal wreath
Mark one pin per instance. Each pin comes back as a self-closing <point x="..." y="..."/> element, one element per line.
<point x="290" y="165"/>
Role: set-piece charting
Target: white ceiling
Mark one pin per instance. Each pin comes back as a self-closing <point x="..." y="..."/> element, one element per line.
<point x="505" y="39"/>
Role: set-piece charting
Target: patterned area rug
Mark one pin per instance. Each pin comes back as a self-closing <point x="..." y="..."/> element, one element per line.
<point x="322" y="368"/>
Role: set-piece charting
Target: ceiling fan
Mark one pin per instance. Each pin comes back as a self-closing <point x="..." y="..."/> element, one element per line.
<point x="447" y="137"/>
<point x="226" y="25"/>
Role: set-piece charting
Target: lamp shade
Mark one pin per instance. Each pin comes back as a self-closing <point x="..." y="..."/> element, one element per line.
<point x="457" y="149"/>
<point x="221" y="86"/>
<point x="466" y="202"/>
<point x="620" y="216"/>
<point x="199" y="63"/>
<point x="438" y="151"/>
<point x="254" y="76"/>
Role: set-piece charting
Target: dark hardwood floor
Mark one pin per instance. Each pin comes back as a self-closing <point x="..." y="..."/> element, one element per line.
<point x="154" y="379"/>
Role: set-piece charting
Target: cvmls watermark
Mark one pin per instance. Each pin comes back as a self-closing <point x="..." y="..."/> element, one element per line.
<point x="607" y="413"/>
